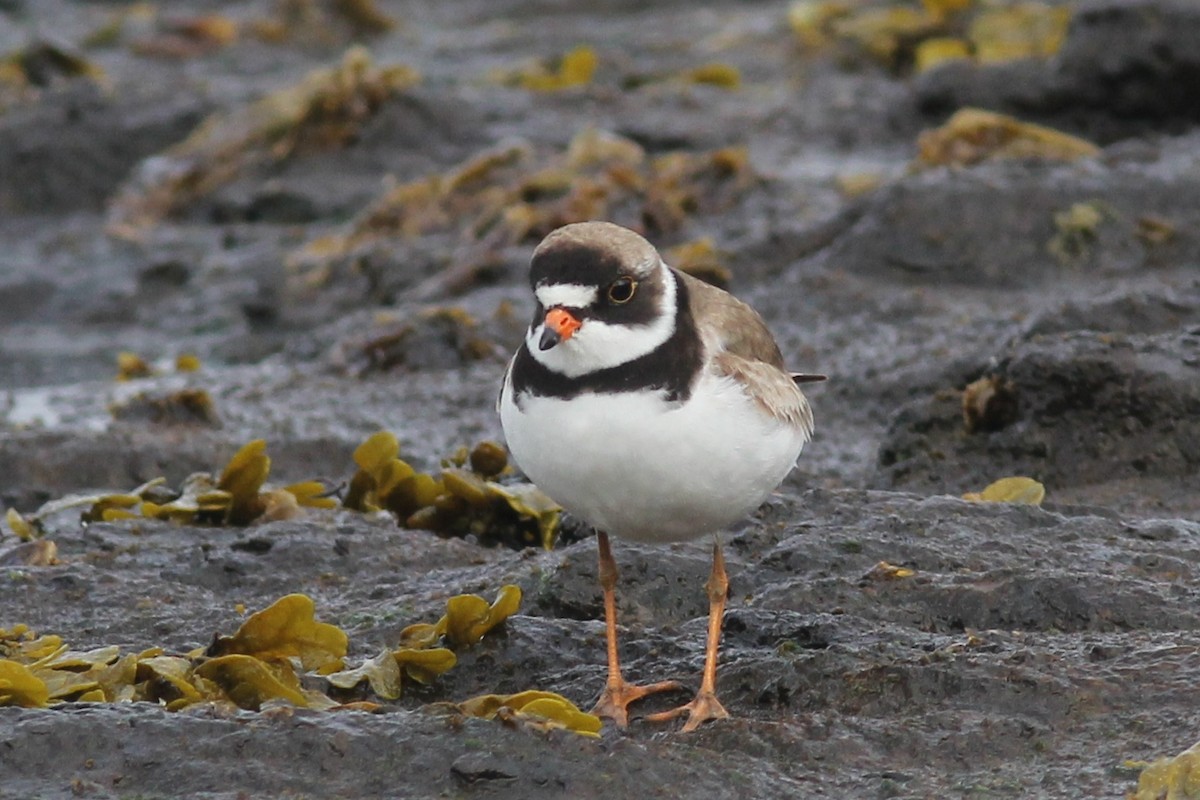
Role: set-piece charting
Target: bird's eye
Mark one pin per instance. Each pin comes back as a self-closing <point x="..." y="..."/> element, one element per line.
<point x="621" y="290"/>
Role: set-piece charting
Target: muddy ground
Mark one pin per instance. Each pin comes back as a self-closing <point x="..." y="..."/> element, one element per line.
<point x="1031" y="653"/>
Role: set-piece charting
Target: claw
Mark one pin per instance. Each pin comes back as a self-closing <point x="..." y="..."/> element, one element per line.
<point x="704" y="707"/>
<point x="615" y="699"/>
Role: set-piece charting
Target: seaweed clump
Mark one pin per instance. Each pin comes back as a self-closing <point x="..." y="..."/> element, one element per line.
<point x="911" y="37"/>
<point x="183" y="407"/>
<point x="321" y="22"/>
<point x="516" y="193"/>
<point x="279" y="656"/>
<point x="236" y="497"/>
<point x="973" y="135"/>
<point x="40" y="65"/>
<point x="576" y="67"/>
<point x="441" y="336"/>
<point x="260" y="664"/>
<point x="465" y="499"/>
<point x="1175" y="778"/>
<point x="1017" y="489"/>
<point x="325" y="111"/>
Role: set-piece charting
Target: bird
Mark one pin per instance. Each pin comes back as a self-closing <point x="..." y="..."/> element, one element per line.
<point x="653" y="406"/>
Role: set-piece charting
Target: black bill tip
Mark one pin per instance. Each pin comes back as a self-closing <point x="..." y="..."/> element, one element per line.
<point x="550" y="337"/>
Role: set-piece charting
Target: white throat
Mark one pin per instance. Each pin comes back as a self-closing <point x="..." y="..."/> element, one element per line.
<point x="599" y="345"/>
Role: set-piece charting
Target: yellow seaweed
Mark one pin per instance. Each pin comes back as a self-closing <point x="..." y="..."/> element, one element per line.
<point x="885" y="32"/>
<point x="938" y="50"/>
<point x="531" y="502"/>
<point x="485" y="706"/>
<point x="20" y="644"/>
<point x="990" y="404"/>
<point x="467" y="485"/>
<point x="20" y="687"/>
<point x="311" y="494"/>
<point x="36" y="553"/>
<point x="1175" y="778"/>
<point x="543" y="710"/>
<point x="382" y="673"/>
<point x="167" y="679"/>
<point x="1010" y="490"/>
<point x="378" y="449"/>
<point x="324" y="111"/>
<point x="811" y="20"/>
<point x="131" y="366"/>
<point x="243" y="477"/>
<point x="117" y="679"/>
<point x="21" y="528"/>
<point x="973" y="135"/>
<point x="565" y="713"/>
<point x="187" y="362"/>
<point x="74" y="659"/>
<point x="1019" y="30"/>
<point x="885" y="571"/>
<point x="250" y="682"/>
<point x="720" y="74"/>
<point x="488" y="458"/>
<point x="425" y="664"/>
<point x="469" y="617"/>
<point x="61" y="684"/>
<point x="422" y="635"/>
<point x="574" y="68"/>
<point x="287" y="629"/>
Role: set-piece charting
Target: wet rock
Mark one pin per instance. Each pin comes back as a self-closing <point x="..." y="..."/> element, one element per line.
<point x="1013" y="225"/>
<point x="72" y="147"/>
<point x="432" y="338"/>
<point x="1147" y="311"/>
<point x="1125" y="68"/>
<point x="410" y="135"/>
<point x="814" y="663"/>
<point x="475" y="767"/>
<point x="1094" y="408"/>
<point x="22" y="295"/>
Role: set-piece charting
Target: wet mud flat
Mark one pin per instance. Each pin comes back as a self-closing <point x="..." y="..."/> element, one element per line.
<point x="360" y="267"/>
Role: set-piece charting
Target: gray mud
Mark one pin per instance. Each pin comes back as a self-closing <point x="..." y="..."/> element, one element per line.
<point x="1032" y="651"/>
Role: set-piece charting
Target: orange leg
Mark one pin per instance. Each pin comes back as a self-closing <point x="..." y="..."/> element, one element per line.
<point x="618" y="694"/>
<point x="705" y="705"/>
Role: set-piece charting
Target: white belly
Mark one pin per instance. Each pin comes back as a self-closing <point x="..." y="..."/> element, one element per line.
<point x="643" y="469"/>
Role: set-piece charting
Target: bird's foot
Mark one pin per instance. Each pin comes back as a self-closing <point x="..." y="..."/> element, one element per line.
<point x="615" y="699"/>
<point x="704" y="707"/>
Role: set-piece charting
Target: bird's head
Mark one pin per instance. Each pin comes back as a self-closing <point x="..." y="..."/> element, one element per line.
<point x="604" y="297"/>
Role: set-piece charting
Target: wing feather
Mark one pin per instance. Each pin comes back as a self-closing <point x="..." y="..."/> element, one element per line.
<point x="772" y="388"/>
<point x="742" y="347"/>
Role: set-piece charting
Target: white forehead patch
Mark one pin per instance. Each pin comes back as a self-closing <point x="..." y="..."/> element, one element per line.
<point x="571" y="295"/>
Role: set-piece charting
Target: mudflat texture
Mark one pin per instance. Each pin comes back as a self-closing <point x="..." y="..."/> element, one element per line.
<point x="1007" y="651"/>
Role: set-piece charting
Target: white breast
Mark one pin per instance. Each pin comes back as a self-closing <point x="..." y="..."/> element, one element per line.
<point x="638" y="467"/>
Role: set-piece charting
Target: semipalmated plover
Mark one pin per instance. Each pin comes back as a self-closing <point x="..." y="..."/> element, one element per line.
<point x="652" y="405"/>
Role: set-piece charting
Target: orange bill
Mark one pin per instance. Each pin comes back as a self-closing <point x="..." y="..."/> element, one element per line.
<point x="560" y="326"/>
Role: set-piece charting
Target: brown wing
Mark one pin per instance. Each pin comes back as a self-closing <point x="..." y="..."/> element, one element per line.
<point x="743" y="348"/>
<point x="726" y="324"/>
<point x="773" y="389"/>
